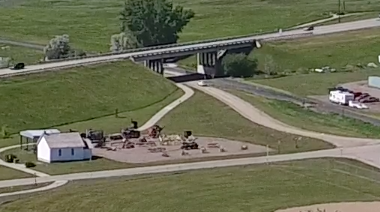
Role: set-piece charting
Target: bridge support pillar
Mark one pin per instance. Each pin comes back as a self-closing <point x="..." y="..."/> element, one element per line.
<point x="155" y="65"/>
<point x="208" y="63"/>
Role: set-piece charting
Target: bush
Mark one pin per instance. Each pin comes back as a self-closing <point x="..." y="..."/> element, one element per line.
<point x="10" y="158"/>
<point x="239" y="65"/>
<point x="29" y="164"/>
<point x="4" y="132"/>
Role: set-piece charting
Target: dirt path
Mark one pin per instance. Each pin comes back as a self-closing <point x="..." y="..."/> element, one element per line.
<point x="338" y="207"/>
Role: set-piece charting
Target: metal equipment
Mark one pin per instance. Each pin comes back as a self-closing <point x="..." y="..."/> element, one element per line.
<point x="130" y="133"/>
<point x="155" y="131"/>
<point x="189" y="145"/>
<point x="187" y="134"/>
<point x="96" y="136"/>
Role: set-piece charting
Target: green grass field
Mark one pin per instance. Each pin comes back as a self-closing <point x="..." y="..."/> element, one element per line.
<point x="206" y="116"/>
<point x="21" y="54"/>
<point x="302" y="118"/>
<point x="84" y="93"/>
<point x="65" y="168"/>
<point x="8" y="174"/>
<point x="110" y="124"/>
<point x="359" y="16"/>
<point x="203" y="121"/>
<point x="259" y="188"/>
<point x="21" y="188"/>
<point x="82" y="19"/>
<point x="336" y="51"/>
<point x="315" y="83"/>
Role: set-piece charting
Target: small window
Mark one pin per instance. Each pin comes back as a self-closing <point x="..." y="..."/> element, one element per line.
<point x="59" y="152"/>
<point x="72" y="151"/>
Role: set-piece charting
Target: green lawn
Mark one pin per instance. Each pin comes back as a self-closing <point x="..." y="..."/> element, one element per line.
<point x="91" y="23"/>
<point x="99" y="164"/>
<point x="57" y="98"/>
<point x="202" y="120"/>
<point x="302" y="118"/>
<point x="301" y="55"/>
<point x="206" y="116"/>
<point x="110" y="124"/>
<point x="9" y="174"/>
<point x="336" y="51"/>
<point x="315" y="83"/>
<point x="21" y="54"/>
<point x="359" y="16"/>
<point x="22" y="188"/>
<point x="259" y="188"/>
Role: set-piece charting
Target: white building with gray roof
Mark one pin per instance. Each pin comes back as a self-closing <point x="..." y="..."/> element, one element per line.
<point x="63" y="147"/>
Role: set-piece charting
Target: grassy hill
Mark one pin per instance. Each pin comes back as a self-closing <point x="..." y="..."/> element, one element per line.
<point x="336" y="50"/>
<point x="259" y="188"/>
<point x="82" y="19"/>
<point x="57" y="98"/>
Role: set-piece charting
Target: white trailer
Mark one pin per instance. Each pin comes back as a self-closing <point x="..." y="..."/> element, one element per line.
<point x="342" y="98"/>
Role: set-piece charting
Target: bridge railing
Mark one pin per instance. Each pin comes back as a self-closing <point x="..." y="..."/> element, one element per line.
<point x="165" y="46"/>
<point x="49" y="68"/>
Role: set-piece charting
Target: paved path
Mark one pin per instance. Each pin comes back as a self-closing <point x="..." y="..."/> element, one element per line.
<point x="367" y="154"/>
<point x="255" y="115"/>
<point x="21" y="167"/>
<point x="333" y="17"/>
<point x="352" y="152"/>
<point x="369" y="23"/>
<point x="352" y="148"/>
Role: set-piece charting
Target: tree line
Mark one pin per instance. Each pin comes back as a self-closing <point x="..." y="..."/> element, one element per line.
<point x="146" y="23"/>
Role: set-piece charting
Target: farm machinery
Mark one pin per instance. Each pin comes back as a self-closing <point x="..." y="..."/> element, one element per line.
<point x="95" y="136"/>
<point x="155" y="131"/>
<point x="131" y="132"/>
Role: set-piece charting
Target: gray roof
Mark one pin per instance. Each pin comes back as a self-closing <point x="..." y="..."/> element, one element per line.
<point x="37" y="133"/>
<point x="88" y="142"/>
<point x="64" y="140"/>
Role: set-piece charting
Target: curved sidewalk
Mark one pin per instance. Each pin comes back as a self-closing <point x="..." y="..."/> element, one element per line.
<point x="255" y="115"/>
<point x="188" y="92"/>
<point x="370" y="152"/>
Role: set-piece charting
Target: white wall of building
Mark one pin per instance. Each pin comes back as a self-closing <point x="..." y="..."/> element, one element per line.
<point x="43" y="151"/>
<point x="67" y="154"/>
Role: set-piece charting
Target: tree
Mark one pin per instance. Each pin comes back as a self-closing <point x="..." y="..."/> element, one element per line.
<point x="122" y="41"/>
<point x="270" y="66"/>
<point x="153" y="22"/>
<point x="239" y="65"/>
<point x="58" y="48"/>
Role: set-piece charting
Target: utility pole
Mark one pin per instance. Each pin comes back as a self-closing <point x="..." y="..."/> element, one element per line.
<point x="344" y="6"/>
<point x="339" y="3"/>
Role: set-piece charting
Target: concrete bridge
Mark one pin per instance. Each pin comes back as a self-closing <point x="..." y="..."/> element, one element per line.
<point x="205" y="49"/>
<point x="208" y="59"/>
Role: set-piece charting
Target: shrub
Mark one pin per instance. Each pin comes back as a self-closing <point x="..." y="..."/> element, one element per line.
<point x="29" y="164"/>
<point x="239" y="65"/>
<point x="4" y="132"/>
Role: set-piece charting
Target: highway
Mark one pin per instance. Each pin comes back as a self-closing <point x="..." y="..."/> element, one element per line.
<point x="356" y="25"/>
